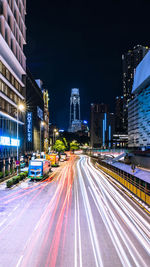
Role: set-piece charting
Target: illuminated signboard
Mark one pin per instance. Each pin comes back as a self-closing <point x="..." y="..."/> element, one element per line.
<point x="40" y="113"/>
<point x="29" y="126"/>
<point x="7" y="141"/>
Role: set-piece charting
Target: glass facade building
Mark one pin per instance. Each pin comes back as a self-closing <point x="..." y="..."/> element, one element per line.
<point x="12" y="71"/>
<point x="139" y="107"/>
<point x="130" y="60"/>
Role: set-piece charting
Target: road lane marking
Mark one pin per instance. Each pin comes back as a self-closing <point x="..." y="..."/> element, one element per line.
<point x="90" y="221"/>
<point x="20" y="260"/>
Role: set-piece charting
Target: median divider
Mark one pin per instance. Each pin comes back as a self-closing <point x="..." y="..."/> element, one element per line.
<point x="16" y="179"/>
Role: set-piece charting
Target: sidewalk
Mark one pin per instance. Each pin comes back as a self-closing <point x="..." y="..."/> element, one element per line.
<point x="139" y="173"/>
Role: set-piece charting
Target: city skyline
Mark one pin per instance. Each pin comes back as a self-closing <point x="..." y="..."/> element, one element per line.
<point x="78" y="45"/>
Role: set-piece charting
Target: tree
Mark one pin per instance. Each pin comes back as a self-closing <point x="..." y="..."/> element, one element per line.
<point x="74" y="145"/>
<point x="65" y="143"/>
<point x="59" y="146"/>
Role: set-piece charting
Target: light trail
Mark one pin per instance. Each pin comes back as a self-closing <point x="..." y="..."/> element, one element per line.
<point x="90" y="221"/>
<point x="104" y="193"/>
<point x="77" y="228"/>
<point x="84" y="215"/>
<point x="63" y="188"/>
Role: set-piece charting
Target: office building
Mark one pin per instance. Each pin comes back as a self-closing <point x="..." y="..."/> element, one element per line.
<point x="34" y="115"/>
<point x="139" y="107"/>
<point x="130" y="60"/>
<point x="46" y="119"/>
<point x="12" y="69"/>
<point x="75" y="121"/>
<point x="102" y="126"/>
<point x="119" y="115"/>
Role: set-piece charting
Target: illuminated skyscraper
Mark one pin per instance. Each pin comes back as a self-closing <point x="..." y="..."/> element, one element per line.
<point x="12" y="69"/>
<point x="130" y="60"/>
<point x="75" y="121"/>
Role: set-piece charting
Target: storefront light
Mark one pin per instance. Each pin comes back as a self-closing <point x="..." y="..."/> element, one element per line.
<point x="7" y="141"/>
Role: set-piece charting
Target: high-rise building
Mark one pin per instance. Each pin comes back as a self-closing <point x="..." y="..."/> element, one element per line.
<point x="139" y="107"/>
<point x="34" y="115"/>
<point x="119" y="115"/>
<point x="46" y="119"/>
<point x="130" y="60"/>
<point x="75" y="121"/>
<point x="102" y="126"/>
<point x="12" y="70"/>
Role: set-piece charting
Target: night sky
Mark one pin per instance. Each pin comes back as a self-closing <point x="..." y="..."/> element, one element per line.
<point x="79" y="44"/>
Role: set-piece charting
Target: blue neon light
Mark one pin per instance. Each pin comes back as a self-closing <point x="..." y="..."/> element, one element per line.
<point x="109" y="132"/>
<point x="85" y="122"/>
<point x="103" y="133"/>
<point x="7" y="141"/>
<point x="29" y="127"/>
<point x="105" y="121"/>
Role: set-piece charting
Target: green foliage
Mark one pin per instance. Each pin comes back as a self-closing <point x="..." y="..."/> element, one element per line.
<point x="65" y="143"/>
<point x="21" y="176"/>
<point x="1" y="175"/>
<point x="9" y="183"/>
<point x="16" y="179"/>
<point x="74" y="145"/>
<point x="59" y="146"/>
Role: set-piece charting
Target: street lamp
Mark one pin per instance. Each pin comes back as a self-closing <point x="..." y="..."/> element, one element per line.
<point x="54" y="131"/>
<point x="41" y="125"/>
<point x="20" y="107"/>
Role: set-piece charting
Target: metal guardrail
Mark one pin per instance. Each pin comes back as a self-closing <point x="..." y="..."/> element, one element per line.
<point x="137" y="186"/>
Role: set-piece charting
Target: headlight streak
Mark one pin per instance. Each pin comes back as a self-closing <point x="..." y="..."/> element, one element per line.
<point x="60" y="190"/>
<point x="102" y="185"/>
<point x="110" y="221"/>
<point x="114" y="187"/>
<point x="90" y="221"/>
<point x="53" y="252"/>
<point x="127" y="230"/>
<point x="77" y="230"/>
<point x="46" y="216"/>
<point x="107" y="222"/>
<point x="39" y="187"/>
<point x="139" y="222"/>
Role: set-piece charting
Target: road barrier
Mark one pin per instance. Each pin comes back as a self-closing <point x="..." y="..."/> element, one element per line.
<point x="138" y="187"/>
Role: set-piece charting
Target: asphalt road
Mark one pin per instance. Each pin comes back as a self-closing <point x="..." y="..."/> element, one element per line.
<point x="79" y="218"/>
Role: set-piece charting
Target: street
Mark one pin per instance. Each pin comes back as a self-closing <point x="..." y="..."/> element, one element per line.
<point x="76" y="218"/>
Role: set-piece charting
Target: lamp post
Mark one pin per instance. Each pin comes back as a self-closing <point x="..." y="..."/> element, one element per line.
<point x="54" y="131"/>
<point x="20" y="107"/>
<point x="41" y="124"/>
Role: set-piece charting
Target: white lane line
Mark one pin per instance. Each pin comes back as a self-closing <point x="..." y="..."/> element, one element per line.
<point x="75" y="230"/>
<point x="3" y="222"/>
<point x="90" y="220"/>
<point x="79" y="229"/>
<point x="20" y="260"/>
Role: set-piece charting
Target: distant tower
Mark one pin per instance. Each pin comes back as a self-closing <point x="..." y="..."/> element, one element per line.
<point x="75" y="122"/>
